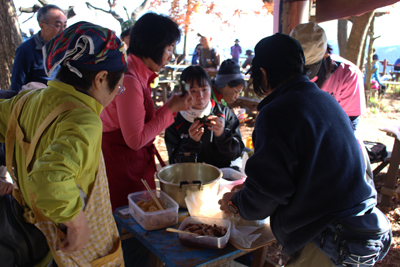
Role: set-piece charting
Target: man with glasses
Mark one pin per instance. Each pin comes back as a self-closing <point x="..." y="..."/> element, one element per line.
<point x="28" y="63"/>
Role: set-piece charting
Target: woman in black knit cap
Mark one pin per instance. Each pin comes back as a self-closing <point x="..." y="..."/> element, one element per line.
<point x="228" y="83"/>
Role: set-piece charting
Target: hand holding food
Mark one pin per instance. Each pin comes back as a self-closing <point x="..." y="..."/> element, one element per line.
<point x="177" y="102"/>
<point x="215" y="124"/>
<point x="196" y="130"/>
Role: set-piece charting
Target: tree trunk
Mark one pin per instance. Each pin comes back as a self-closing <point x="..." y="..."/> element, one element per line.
<point x="342" y="36"/>
<point x="362" y="59"/>
<point x="10" y="39"/>
<point x="357" y="38"/>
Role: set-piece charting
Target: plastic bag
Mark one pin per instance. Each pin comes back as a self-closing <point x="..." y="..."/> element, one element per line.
<point x="204" y="203"/>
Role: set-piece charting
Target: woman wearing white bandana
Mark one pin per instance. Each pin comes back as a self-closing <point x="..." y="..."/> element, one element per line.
<point x="216" y="141"/>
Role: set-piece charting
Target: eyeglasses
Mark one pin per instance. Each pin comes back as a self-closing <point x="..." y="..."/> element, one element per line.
<point x="58" y="26"/>
<point x="121" y="89"/>
<point x="238" y="91"/>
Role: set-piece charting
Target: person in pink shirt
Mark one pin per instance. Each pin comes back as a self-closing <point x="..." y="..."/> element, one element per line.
<point x="130" y="122"/>
<point x="333" y="74"/>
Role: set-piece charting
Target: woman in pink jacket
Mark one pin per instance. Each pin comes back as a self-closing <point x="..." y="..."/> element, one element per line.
<point x="130" y="122"/>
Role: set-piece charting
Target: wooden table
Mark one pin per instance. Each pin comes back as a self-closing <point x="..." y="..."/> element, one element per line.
<point x="169" y="251"/>
<point x="172" y="70"/>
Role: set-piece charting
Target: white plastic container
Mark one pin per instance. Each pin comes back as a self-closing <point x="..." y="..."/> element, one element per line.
<point x="157" y="219"/>
<point x="205" y="241"/>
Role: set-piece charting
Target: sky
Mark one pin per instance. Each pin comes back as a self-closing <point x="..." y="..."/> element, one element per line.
<point x="248" y="29"/>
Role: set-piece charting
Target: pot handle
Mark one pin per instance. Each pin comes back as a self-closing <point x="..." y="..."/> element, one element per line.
<point x="191" y="182"/>
<point x="188" y="154"/>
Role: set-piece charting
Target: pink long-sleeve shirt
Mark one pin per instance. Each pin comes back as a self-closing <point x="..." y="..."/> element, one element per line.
<point x="346" y="85"/>
<point x="127" y="111"/>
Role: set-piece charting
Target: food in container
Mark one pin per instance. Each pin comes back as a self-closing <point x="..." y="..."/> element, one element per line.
<point x="150" y="206"/>
<point x="153" y="220"/>
<point x="206" y="229"/>
<point x="240" y="114"/>
<point x="205" y="241"/>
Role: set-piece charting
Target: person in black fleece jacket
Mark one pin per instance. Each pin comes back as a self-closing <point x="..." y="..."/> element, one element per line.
<point x="217" y="142"/>
<point x="307" y="169"/>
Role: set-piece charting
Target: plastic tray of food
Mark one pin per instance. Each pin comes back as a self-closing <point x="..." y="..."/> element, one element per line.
<point x="153" y="218"/>
<point x="207" y="227"/>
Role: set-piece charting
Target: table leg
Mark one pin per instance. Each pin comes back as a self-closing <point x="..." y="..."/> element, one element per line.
<point x="154" y="261"/>
<point x="155" y="95"/>
<point x="164" y="94"/>
<point x="259" y="257"/>
<point x="391" y="176"/>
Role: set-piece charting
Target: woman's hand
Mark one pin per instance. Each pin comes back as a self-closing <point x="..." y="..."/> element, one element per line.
<point x="215" y="125"/>
<point x="177" y="102"/>
<point x="5" y="187"/>
<point x="196" y="130"/>
<point x="78" y="233"/>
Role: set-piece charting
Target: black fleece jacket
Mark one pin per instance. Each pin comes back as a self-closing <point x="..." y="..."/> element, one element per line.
<point x="307" y="170"/>
<point x="219" y="152"/>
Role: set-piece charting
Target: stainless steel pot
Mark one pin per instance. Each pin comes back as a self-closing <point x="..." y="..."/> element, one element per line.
<point x="177" y="179"/>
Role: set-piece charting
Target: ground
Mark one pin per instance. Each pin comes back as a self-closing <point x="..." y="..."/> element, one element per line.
<point x="379" y="114"/>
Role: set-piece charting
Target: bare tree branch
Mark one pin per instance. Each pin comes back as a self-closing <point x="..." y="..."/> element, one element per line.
<point x="29" y="18"/>
<point x="126" y="11"/>
<point x="89" y="5"/>
<point x="139" y="9"/>
<point x="68" y="12"/>
<point x="111" y="11"/>
<point x="32" y="9"/>
<point x="43" y="2"/>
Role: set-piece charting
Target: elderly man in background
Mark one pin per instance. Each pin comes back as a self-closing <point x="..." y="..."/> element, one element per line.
<point x="28" y="63"/>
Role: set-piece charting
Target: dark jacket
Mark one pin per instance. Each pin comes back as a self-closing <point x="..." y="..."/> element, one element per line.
<point x="307" y="170"/>
<point x="220" y="152"/>
<point x="28" y="64"/>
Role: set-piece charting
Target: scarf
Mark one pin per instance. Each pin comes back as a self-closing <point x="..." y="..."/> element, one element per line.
<point x="191" y="114"/>
<point x="87" y="46"/>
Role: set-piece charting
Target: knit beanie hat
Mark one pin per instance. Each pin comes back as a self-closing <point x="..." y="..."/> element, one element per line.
<point x="127" y="25"/>
<point x="229" y="71"/>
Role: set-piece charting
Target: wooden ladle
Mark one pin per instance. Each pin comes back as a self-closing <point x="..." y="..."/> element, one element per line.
<point x="180" y="231"/>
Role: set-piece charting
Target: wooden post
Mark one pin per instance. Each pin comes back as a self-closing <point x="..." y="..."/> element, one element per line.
<point x="293" y="13"/>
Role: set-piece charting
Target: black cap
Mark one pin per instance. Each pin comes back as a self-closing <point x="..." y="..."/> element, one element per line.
<point x="229" y="66"/>
<point x="237" y="40"/>
<point x="273" y="50"/>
